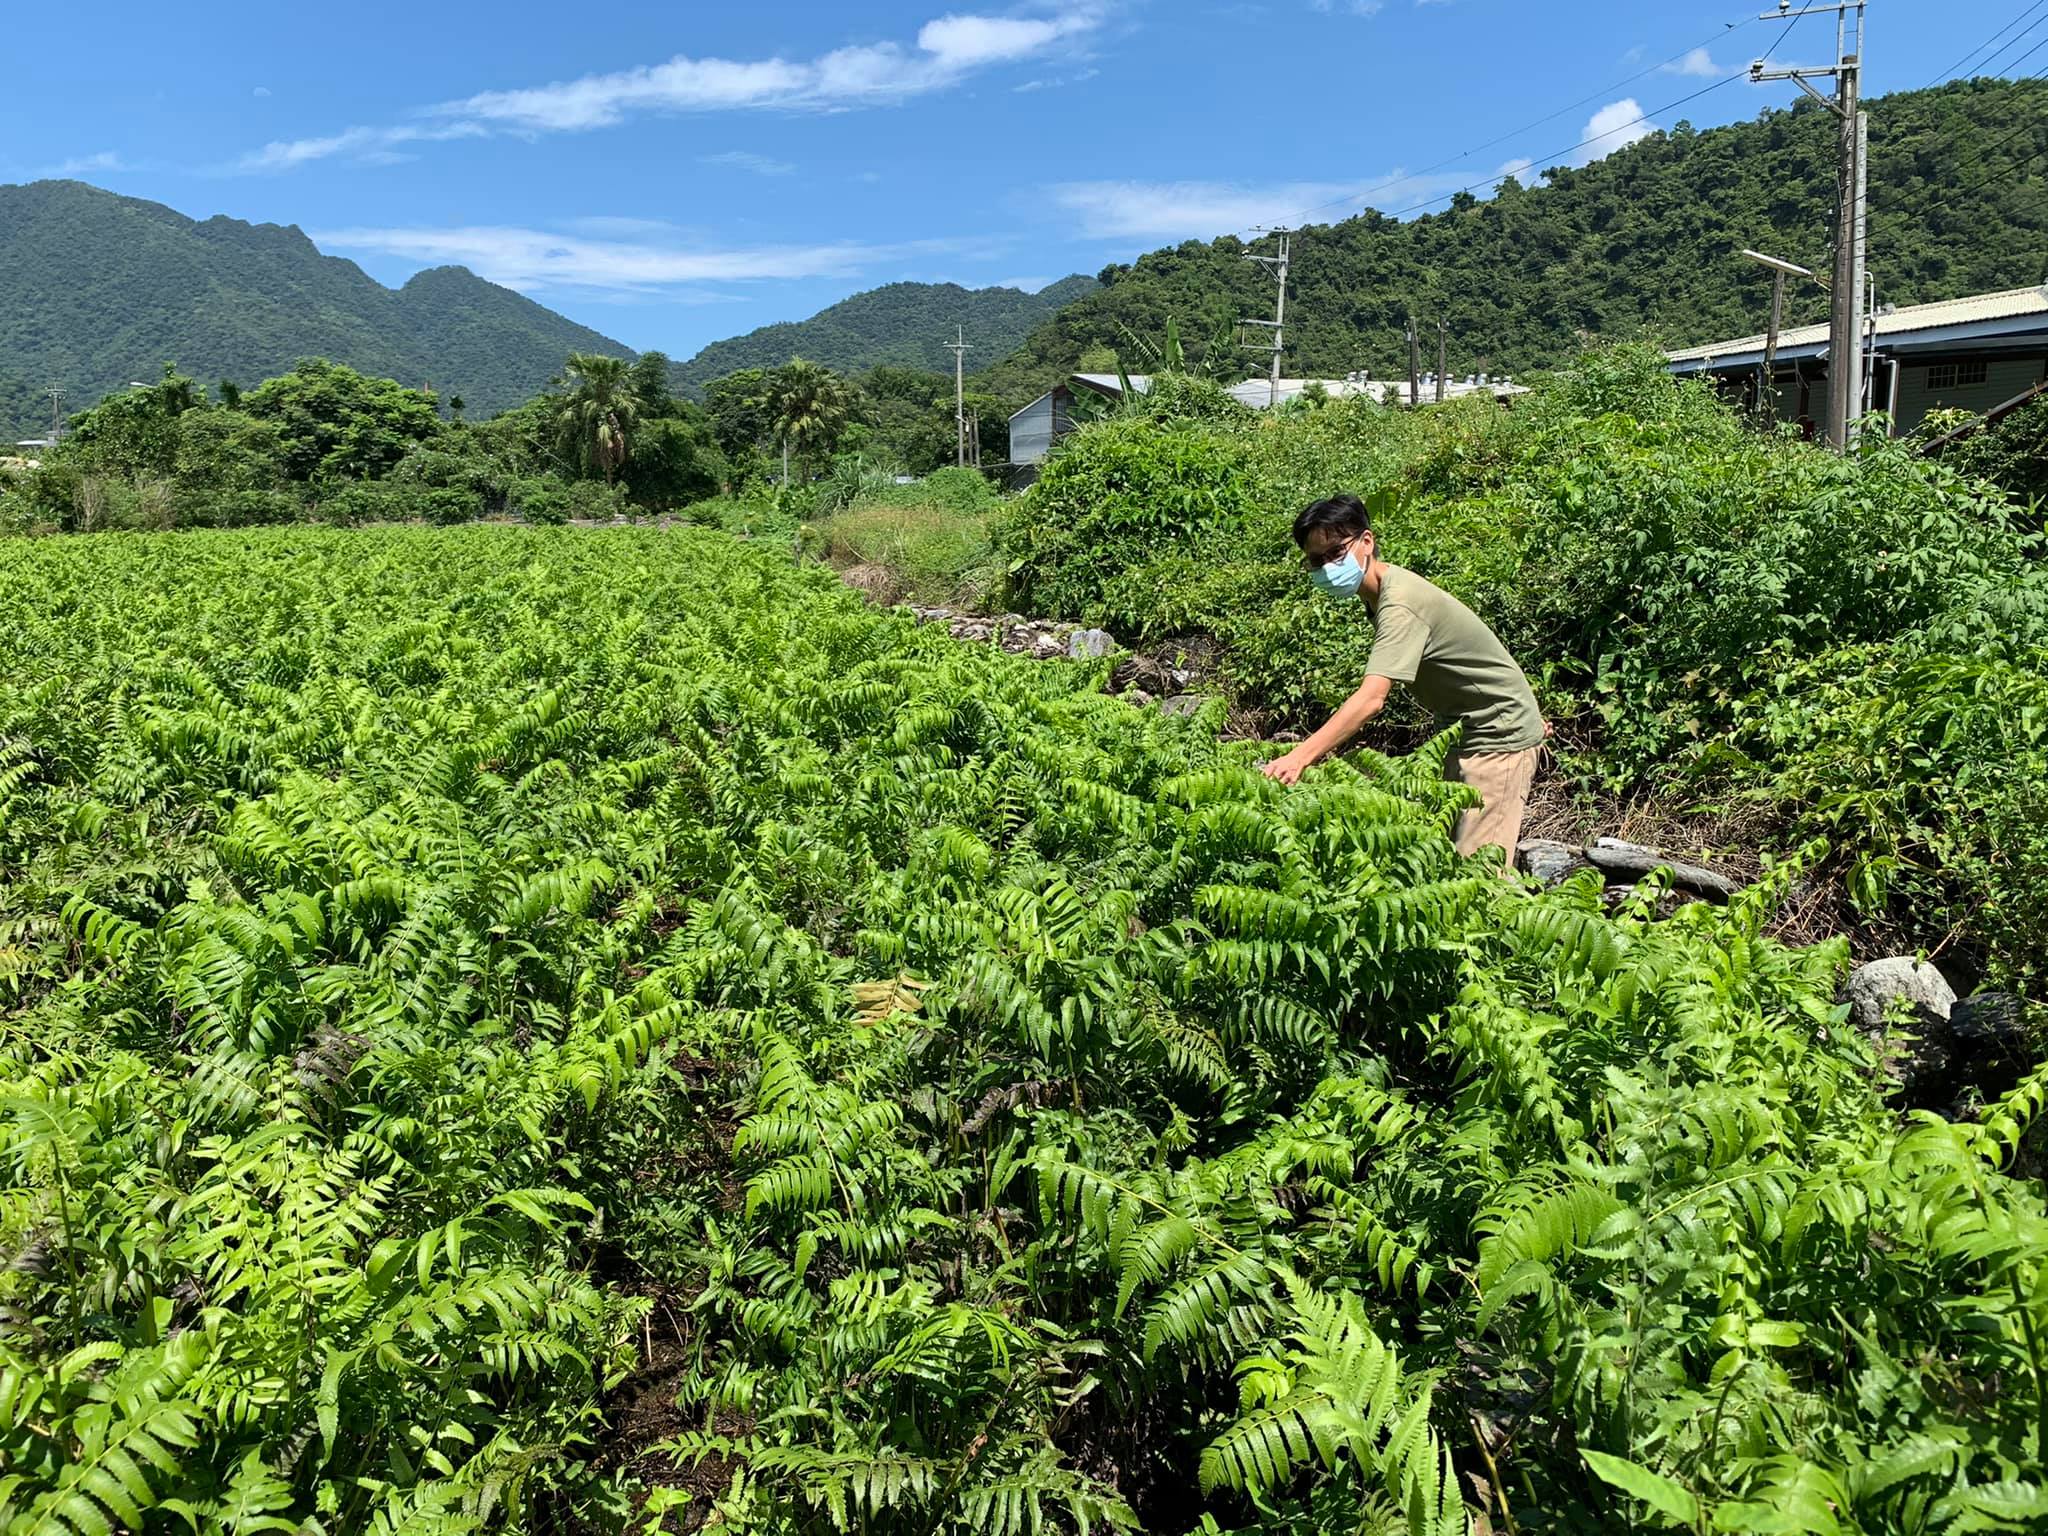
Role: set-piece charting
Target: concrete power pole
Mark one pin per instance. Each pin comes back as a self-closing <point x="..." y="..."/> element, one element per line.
<point x="958" y="347"/>
<point x="1443" y="353"/>
<point x="56" y="413"/>
<point x="1845" y="324"/>
<point x="1414" y="364"/>
<point x="1277" y="265"/>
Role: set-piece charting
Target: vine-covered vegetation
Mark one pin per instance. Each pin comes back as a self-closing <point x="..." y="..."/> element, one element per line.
<point x="1723" y="613"/>
<point x="445" y="974"/>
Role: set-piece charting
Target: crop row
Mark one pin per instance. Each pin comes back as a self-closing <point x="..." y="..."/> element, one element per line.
<point x="454" y="983"/>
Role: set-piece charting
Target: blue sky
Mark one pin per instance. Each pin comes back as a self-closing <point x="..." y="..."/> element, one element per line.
<point x="673" y="173"/>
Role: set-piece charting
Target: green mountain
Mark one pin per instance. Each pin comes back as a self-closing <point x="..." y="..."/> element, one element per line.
<point x="904" y="324"/>
<point x="1642" y="244"/>
<point x="97" y="290"/>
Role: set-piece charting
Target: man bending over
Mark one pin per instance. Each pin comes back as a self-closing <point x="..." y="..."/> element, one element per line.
<point x="1426" y="638"/>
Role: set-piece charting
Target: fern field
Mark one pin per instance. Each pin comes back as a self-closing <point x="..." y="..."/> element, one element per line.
<point x="444" y="972"/>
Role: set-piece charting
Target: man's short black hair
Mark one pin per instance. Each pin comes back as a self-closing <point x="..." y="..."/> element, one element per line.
<point x="1344" y="513"/>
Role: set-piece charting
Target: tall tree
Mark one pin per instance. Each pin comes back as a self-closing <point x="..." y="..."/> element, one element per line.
<point x="598" y="413"/>
<point x="809" y="406"/>
<point x="649" y="376"/>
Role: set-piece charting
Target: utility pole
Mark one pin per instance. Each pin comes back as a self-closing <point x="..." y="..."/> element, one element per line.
<point x="1414" y="364"/>
<point x="958" y="347"/>
<point x="1845" y="324"/>
<point x="1277" y="265"/>
<point x="1443" y="352"/>
<point x="56" y="413"/>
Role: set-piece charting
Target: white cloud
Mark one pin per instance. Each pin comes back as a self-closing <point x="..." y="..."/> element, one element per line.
<point x="947" y="49"/>
<point x="1615" y="126"/>
<point x="1189" y="210"/>
<point x="261" y="90"/>
<point x="530" y="259"/>
<point x="1698" y="63"/>
<point x="86" y="165"/>
<point x="747" y="160"/>
<point x="1027" y="284"/>
<point x="1519" y="168"/>
<point x="1349" y="7"/>
<point x="373" y="146"/>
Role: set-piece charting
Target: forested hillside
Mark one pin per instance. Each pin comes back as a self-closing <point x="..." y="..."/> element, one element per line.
<point x="97" y="290"/>
<point x="900" y="324"/>
<point x="1642" y="244"/>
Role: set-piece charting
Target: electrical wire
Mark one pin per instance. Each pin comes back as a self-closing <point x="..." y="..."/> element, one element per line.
<point x="1465" y="154"/>
<point x="1555" y="156"/>
<point x="1997" y="144"/>
<point x="1951" y="71"/>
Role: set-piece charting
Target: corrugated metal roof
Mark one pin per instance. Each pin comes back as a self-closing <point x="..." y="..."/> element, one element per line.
<point x="1110" y="384"/>
<point x="2014" y="304"/>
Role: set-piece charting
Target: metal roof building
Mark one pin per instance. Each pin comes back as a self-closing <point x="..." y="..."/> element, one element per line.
<point x="1043" y="422"/>
<point x="1971" y="353"/>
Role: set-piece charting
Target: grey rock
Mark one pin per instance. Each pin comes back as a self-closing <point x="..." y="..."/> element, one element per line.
<point x="1620" y="858"/>
<point x="1137" y="696"/>
<point x="1992" y="1043"/>
<point x="1181" y="704"/>
<point x="1547" y="861"/>
<point x="1045" y="645"/>
<point x="1990" y="1021"/>
<point x="1084" y="644"/>
<point x="1289" y="737"/>
<point x="1870" y="989"/>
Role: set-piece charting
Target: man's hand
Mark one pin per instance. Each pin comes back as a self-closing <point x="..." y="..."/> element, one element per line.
<point x="1287" y="769"/>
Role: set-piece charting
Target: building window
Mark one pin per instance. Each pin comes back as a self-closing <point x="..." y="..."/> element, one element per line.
<point x="1955" y="375"/>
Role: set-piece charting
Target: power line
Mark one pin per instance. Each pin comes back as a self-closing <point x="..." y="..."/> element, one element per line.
<point x="2016" y="63"/>
<point x="1465" y="154"/>
<point x="1997" y="144"/>
<point x="1994" y="37"/>
<point x="1556" y="155"/>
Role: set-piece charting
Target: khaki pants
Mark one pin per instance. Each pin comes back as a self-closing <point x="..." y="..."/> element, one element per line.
<point x="1502" y="779"/>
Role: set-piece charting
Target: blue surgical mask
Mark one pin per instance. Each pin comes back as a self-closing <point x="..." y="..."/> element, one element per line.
<point x="1340" y="578"/>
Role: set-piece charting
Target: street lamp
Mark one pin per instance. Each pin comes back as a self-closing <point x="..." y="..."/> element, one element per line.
<point x="1780" y="270"/>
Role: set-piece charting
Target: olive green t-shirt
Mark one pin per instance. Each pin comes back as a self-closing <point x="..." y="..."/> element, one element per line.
<point x="1457" y="667"/>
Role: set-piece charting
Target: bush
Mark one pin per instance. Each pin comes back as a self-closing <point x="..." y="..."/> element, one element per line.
<point x="539" y="499"/>
<point x="753" y="515"/>
<point x="1114" y="497"/>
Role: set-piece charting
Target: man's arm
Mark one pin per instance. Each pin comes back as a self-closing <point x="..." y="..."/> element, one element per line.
<point x="1347" y="722"/>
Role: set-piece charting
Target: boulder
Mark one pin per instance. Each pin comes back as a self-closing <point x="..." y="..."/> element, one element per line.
<point x="1919" y="1057"/>
<point x="1871" y="989"/>
<point x="1182" y="704"/>
<point x="1087" y="644"/>
<point x="1547" y="861"/>
<point x="1991" y="1042"/>
<point x="1634" y="860"/>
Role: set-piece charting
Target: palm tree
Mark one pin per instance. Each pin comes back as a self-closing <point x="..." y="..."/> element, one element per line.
<point x="808" y="405"/>
<point x="598" y="413"/>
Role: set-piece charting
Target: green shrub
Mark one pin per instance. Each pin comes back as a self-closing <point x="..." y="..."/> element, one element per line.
<point x="753" y="515"/>
<point x="1115" y="496"/>
<point x="955" y="487"/>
